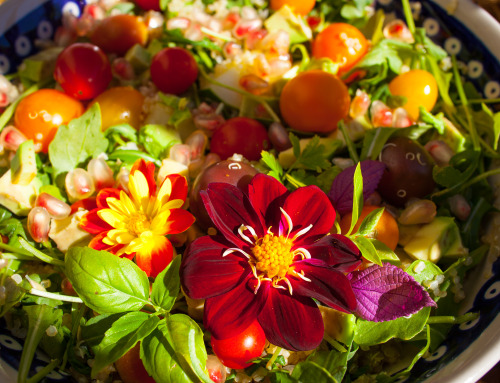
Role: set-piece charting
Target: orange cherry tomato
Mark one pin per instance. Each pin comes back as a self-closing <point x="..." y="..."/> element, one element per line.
<point x="117" y="34"/>
<point x="131" y="369"/>
<point x="314" y="101"/>
<point x="40" y="114"/>
<point x="420" y="89"/>
<point x="343" y="43"/>
<point x="300" y="7"/>
<point x="386" y="231"/>
<point x="120" y="105"/>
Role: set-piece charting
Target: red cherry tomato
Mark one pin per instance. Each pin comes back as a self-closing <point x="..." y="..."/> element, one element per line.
<point x="314" y="101"/>
<point x="343" y="43"/>
<point x="117" y="34"/>
<point x="131" y="369"/>
<point x="83" y="70"/>
<point x="241" y="135"/>
<point x="173" y="70"/>
<point x="235" y="352"/>
<point x="148" y="5"/>
<point x="40" y="114"/>
<point x="300" y="7"/>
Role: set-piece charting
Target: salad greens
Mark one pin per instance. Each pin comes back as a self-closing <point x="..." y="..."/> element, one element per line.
<point x="96" y="286"/>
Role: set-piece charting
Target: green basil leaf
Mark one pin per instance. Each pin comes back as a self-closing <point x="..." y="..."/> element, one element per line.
<point x="121" y="337"/>
<point x="384" y="252"/>
<point x="371" y="333"/>
<point x="105" y="282"/>
<point x="166" y="286"/>
<point x="87" y="138"/>
<point x="367" y="249"/>
<point x="94" y="329"/>
<point x="174" y="352"/>
<point x="312" y="372"/>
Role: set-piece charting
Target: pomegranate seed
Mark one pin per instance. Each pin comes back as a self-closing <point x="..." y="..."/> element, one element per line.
<point x="244" y="27"/>
<point x="95" y="11"/>
<point x="180" y="153"/>
<point x="67" y="287"/>
<point x="277" y="42"/>
<point x="79" y="184"/>
<point x="122" y="178"/>
<point x="55" y="207"/>
<point x="101" y="173"/>
<point x="279" y="65"/>
<point x="123" y="69"/>
<point x="440" y="151"/>
<point x="400" y="118"/>
<point x="254" y="38"/>
<point x="397" y="30"/>
<point x="231" y="20"/>
<point x="39" y="224"/>
<point x="198" y="142"/>
<point x="194" y="32"/>
<point x="254" y="84"/>
<point x="178" y="23"/>
<point x="11" y="138"/>
<point x="313" y="21"/>
<point x="418" y="212"/>
<point x="261" y="65"/>
<point x="381" y="114"/>
<point x="359" y="104"/>
<point x="216" y="370"/>
<point x="459" y="207"/>
<point x="278" y="136"/>
<point x="232" y="49"/>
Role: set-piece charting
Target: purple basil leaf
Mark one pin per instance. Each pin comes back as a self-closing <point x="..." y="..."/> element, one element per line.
<point x="342" y="188"/>
<point x="387" y="292"/>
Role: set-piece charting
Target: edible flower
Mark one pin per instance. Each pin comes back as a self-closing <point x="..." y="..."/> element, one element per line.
<point x="134" y="224"/>
<point x="273" y="258"/>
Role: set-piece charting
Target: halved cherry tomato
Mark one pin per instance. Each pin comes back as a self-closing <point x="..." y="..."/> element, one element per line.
<point x="314" y="101"/>
<point x="420" y="89"/>
<point x="386" y="231"/>
<point x="40" y="114"/>
<point x="117" y="34"/>
<point x="235" y="352"/>
<point x="120" y="105"/>
<point x="241" y="135"/>
<point x="131" y="369"/>
<point x="148" y="5"/>
<point x="83" y="70"/>
<point x="343" y="43"/>
<point x="300" y="7"/>
<point x="173" y="70"/>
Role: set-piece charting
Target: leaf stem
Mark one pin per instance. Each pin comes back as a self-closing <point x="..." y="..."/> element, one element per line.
<point x="449" y="319"/>
<point x="59" y="297"/>
<point x="43" y="372"/>
<point x="350" y="145"/>
<point x="408" y="16"/>
<point x="335" y="344"/>
<point x="40" y="255"/>
<point x="276" y="353"/>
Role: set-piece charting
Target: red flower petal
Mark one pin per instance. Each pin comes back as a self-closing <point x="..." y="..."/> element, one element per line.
<point x="179" y="220"/>
<point x="179" y="186"/>
<point x="229" y="208"/>
<point x="85" y="204"/>
<point x="148" y="169"/>
<point x="97" y="244"/>
<point x="92" y="224"/>
<point x="229" y="314"/>
<point x="104" y="194"/>
<point x="205" y="273"/>
<point x="327" y="285"/>
<point x="309" y="206"/>
<point x="338" y="251"/>
<point x="267" y="195"/>
<point x="292" y="322"/>
<point x="154" y="262"/>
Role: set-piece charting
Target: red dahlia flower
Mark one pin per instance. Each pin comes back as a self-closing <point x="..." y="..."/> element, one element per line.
<point x="274" y="257"/>
<point x="135" y="224"/>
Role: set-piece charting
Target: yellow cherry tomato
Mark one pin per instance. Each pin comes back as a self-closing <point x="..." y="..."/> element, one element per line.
<point x="300" y="7"/>
<point x="120" y="105"/>
<point x="40" y="114"/>
<point x="420" y="89"/>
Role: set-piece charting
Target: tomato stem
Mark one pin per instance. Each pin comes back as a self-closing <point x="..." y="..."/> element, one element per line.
<point x="276" y="353"/>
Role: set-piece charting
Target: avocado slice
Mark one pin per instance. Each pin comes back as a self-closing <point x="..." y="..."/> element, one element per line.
<point x="23" y="164"/>
<point x="18" y="198"/>
<point x="439" y="238"/>
<point x="40" y="66"/>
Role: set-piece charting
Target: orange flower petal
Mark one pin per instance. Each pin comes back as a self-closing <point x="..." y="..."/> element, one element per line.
<point x="148" y="169"/>
<point x="97" y="244"/>
<point x="179" y="186"/>
<point x="92" y="224"/>
<point x="153" y="260"/>
<point x="104" y="194"/>
<point x="179" y="220"/>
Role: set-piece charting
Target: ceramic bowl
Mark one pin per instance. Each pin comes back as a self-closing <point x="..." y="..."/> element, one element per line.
<point x="464" y="30"/>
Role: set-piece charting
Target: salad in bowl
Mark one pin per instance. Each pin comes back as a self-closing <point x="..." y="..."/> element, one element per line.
<point x="235" y="191"/>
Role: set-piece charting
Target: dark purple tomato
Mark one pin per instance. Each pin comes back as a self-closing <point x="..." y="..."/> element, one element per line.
<point x="408" y="173"/>
<point x="241" y="135"/>
<point x="83" y="70"/>
<point x="235" y="173"/>
<point x="173" y="70"/>
<point x="148" y="5"/>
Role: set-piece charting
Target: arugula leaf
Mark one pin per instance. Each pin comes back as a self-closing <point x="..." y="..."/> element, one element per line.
<point x="78" y="141"/>
<point x="312" y="372"/>
<point x="177" y="37"/>
<point x="106" y="282"/>
<point x="121" y="337"/>
<point x="435" y="121"/>
<point x="166" y="286"/>
<point x="334" y="362"/>
<point x="272" y="163"/>
<point x="174" y="352"/>
<point x="158" y="139"/>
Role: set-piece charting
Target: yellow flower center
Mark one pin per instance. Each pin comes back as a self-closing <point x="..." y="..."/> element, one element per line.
<point x="138" y="223"/>
<point x="273" y="255"/>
